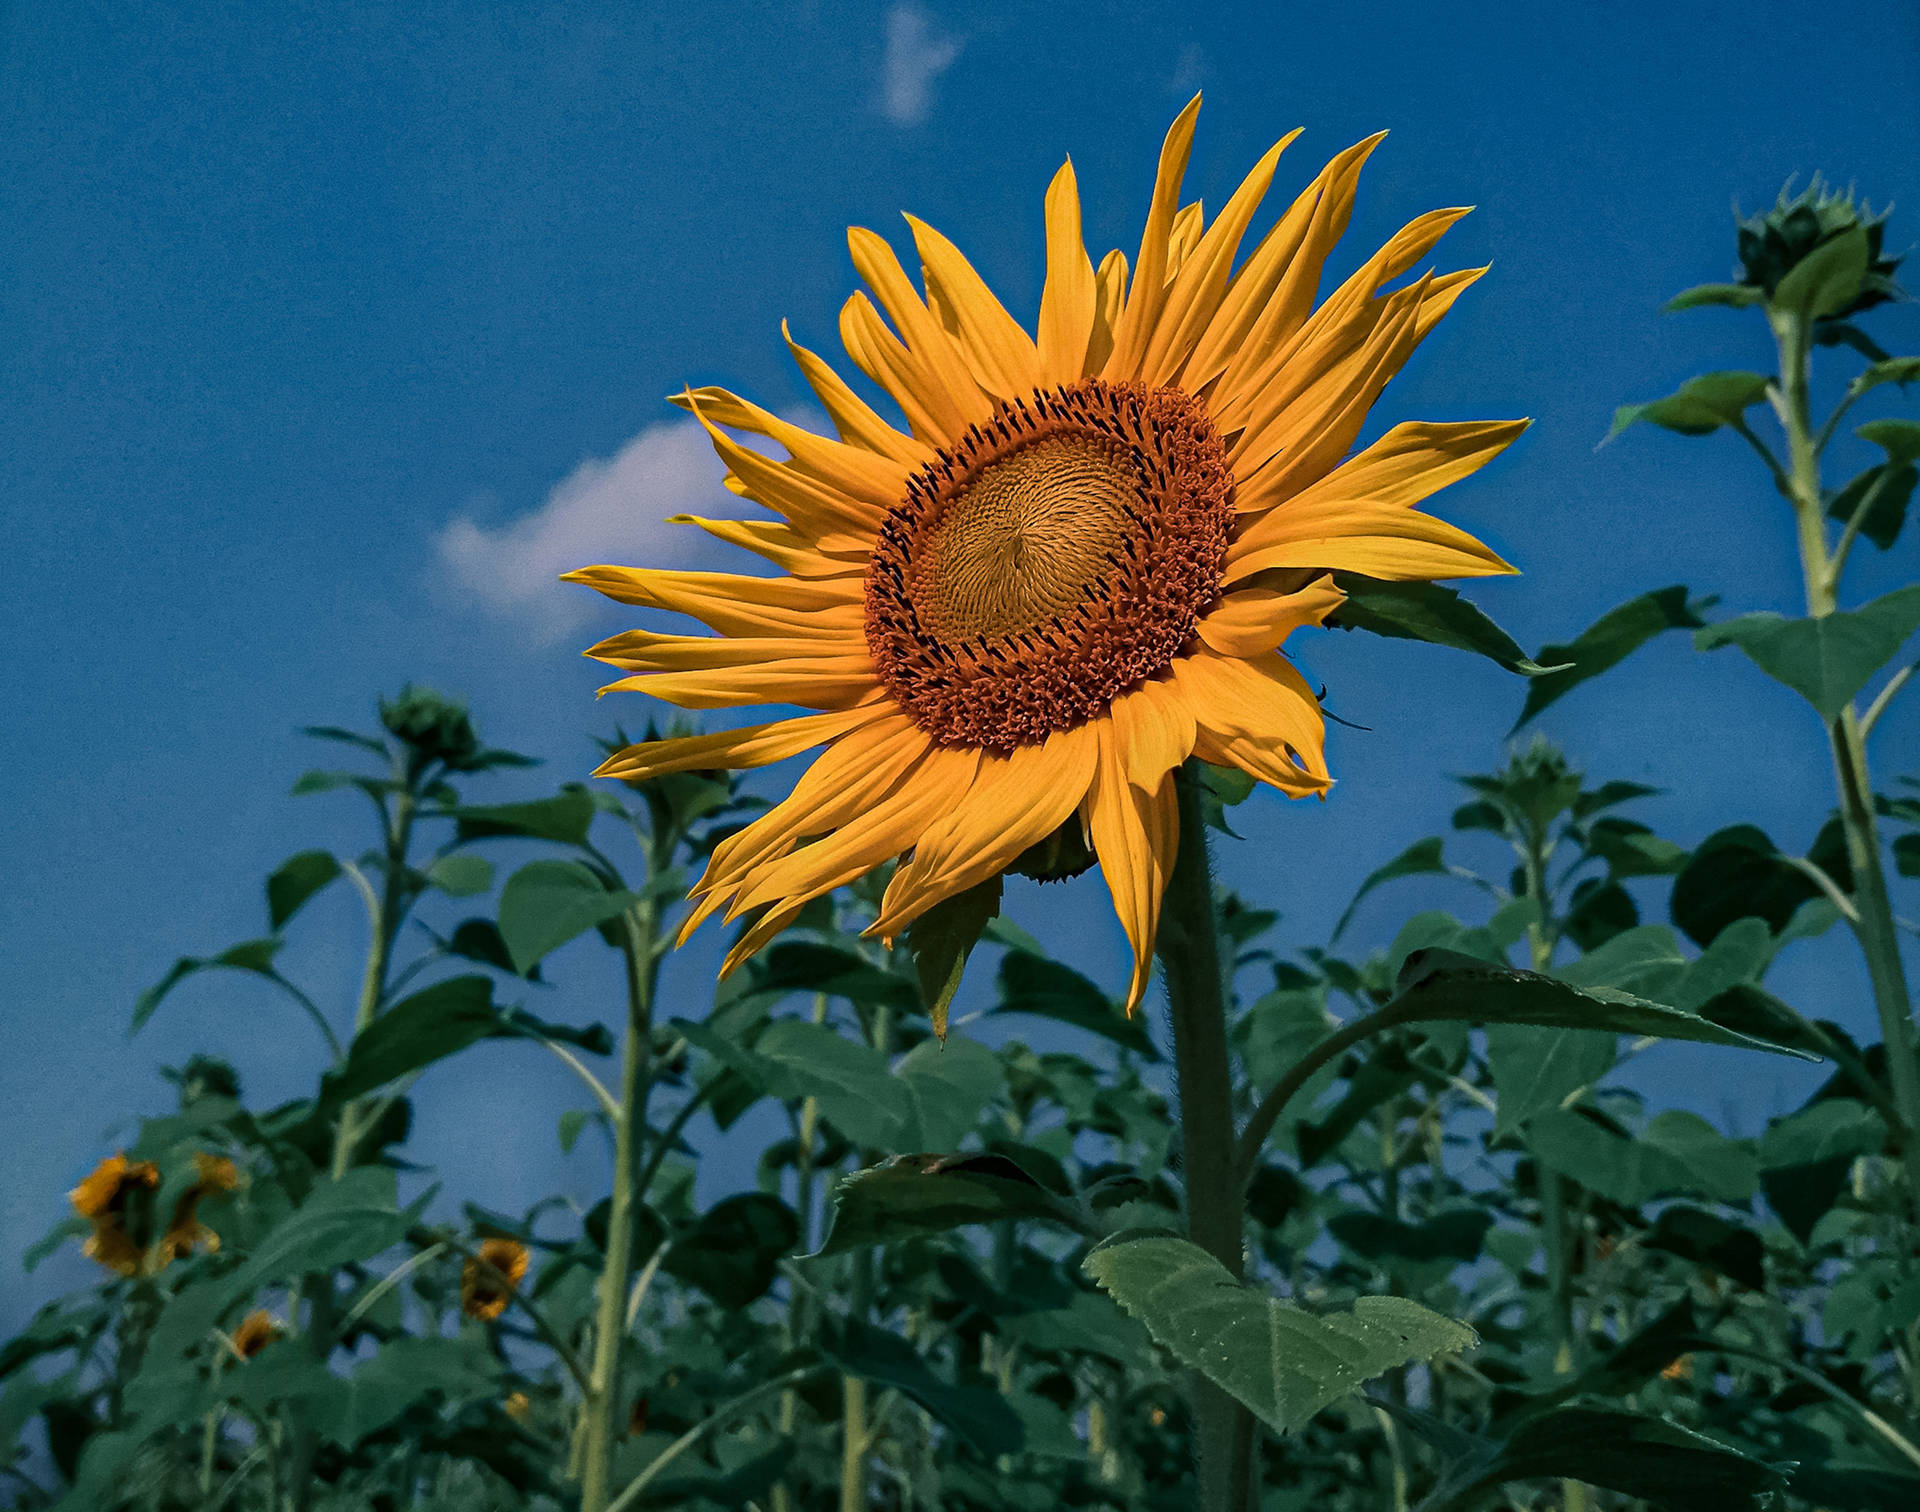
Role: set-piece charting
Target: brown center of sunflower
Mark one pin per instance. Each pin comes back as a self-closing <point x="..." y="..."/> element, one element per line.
<point x="1049" y="561"/>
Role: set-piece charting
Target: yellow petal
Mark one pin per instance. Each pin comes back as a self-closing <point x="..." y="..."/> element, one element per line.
<point x="851" y="470"/>
<point x="1201" y="281"/>
<point x="1067" y="301"/>
<point x="1136" y="835"/>
<point x="1014" y="801"/>
<point x="1153" y="730"/>
<point x="1148" y="293"/>
<point x="1257" y="620"/>
<point x="652" y="651"/>
<point x="1189" y="223"/>
<point x="946" y="386"/>
<point x="730" y="603"/>
<point x="877" y="352"/>
<point x="813" y="682"/>
<point x="1001" y="356"/>
<point x="838" y="556"/>
<point x="736" y="750"/>
<point x="1414" y="460"/>
<point x="1259" y="710"/>
<point x="1272" y="295"/>
<point x="1109" y="292"/>
<point x="1348" y="535"/>
<point x="812" y="507"/>
<point x="856" y="421"/>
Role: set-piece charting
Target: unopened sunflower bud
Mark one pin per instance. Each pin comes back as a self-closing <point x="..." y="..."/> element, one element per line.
<point x="1777" y="241"/>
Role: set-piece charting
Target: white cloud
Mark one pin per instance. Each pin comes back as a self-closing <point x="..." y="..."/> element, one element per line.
<point x="917" y="55"/>
<point x="605" y="510"/>
<point x="1189" y="70"/>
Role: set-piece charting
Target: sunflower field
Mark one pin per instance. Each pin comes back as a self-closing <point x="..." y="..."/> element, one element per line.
<point x="1368" y="1223"/>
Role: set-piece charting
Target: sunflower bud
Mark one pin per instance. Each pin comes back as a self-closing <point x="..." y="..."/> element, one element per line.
<point x="1775" y="242"/>
<point x="433" y="728"/>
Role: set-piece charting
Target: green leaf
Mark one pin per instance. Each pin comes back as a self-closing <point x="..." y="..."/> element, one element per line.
<point x="1280" y="1362"/>
<point x="809" y="966"/>
<point x="432" y="1024"/>
<point x="733" y="1251"/>
<point x="1452" y="1235"/>
<point x="979" y="1414"/>
<point x="1906" y="855"/>
<point x="547" y="903"/>
<point x="1880" y="495"/>
<point x="1609" y="640"/>
<point x="572" y="1122"/>
<point x="1676" y="1152"/>
<point x="1423" y="857"/>
<point x="1737" y="296"/>
<point x="1700" y="405"/>
<point x="249" y="955"/>
<point x="948" y="1085"/>
<point x="1737" y="873"/>
<point x="1827" y="279"/>
<point x="792" y="1060"/>
<point x="1900" y="439"/>
<point x="1900" y="370"/>
<point x="1442" y="984"/>
<point x="943" y="937"/>
<point x="1426" y="612"/>
<point x="1826" y="659"/>
<point x="1045" y="988"/>
<point x="1648" y="1457"/>
<point x="1836" y="1128"/>
<point x="460" y="875"/>
<point x="1535" y="1071"/>
<point x="1710" y="1240"/>
<point x="341" y="1222"/>
<point x="564" y="818"/>
<point x="294" y="881"/>
<point x="909" y="1196"/>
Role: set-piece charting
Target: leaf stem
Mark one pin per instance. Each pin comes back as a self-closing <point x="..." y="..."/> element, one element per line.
<point x="722" y="1415"/>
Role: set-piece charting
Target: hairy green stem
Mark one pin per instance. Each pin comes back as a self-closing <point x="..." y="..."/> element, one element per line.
<point x="1189" y="949"/>
<point x="1874" y="926"/>
<point x="603" y="1394"/>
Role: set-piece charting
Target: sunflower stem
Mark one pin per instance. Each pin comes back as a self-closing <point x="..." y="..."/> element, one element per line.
<point x="1189" y="950"/>
<point x="1873" y="924"/>
<point x="603" y="1387"/>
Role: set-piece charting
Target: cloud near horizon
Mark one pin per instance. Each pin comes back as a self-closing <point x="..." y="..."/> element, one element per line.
<point x="917" y="54"/>
<point x="611" y="509"/>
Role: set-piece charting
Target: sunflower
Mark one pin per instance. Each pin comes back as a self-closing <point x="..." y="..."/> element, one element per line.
<point x="117" y="1200"/>
<point x="256" y="1331"/>
<point x="1074" y="569"/>
<point x="185" y="1232"/>
<point x="488" y="1279"/>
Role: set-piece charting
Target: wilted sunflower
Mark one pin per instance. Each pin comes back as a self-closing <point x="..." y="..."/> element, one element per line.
<point x="117" y="1199"/>
<point x="487" y="1280"/>
<point x="256" y="1331"/>
<point x="1077" y="566"/>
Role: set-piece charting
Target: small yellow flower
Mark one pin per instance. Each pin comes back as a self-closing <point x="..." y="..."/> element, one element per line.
<point x="256" y="1331"/>
<point x="117" y="1199"/>
<point x="487" y="1281"/>
<point x="518" y="1406"/>
<point x="186" y="1232"/>
<point x="1680" y="1370"/>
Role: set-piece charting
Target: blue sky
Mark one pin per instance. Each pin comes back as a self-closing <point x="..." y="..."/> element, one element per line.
<point x="333" y="332"/>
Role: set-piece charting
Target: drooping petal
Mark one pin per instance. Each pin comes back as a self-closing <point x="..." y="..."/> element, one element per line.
<point x="1067" y="301"/>
<point x="1260" y="702"/>
<point x="1148" y="293"/>
<point x="1153" y="727"/>
<point x="1136" y="835"/>
<point x="1257" y="620"/>
<point x="1346" y="535"/>
<point x="1015" y="801"/>
<point x="858" y="423"/>
<point x="1000" y="354"/>
<point x="737" y="750"/>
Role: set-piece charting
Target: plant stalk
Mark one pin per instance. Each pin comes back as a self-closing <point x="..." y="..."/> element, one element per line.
<point x="1189" y="950"/>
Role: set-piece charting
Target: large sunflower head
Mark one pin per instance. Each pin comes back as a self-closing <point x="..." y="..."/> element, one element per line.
<point x="1074" y="568"/>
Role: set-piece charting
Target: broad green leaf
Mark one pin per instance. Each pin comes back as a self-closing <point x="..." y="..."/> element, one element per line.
<point x="1826" y="659"/>
<point x="1452" y="1235"/>
<point x="1426" y="612"/>
<point x="1834" y="1128"/>
<point x="564" y="818"/>
<point x="1648" y="1457"/>
<point x="1700" y="405"/>
<point x="836" y="970"/>
<point x="250" y="955"/>
<point x="1088" y="1324"/>
<point x="352" y="1219"/>
<point x="1710" y="1240"/>
<point x="1900" y="439"/>
<point x="1879" y="496"/>
<point x="1282" y="1363"/>
<point x="596" y="1038"/>
<point x="792" y="1060"/>
<point x="1676" y="1152"/>
<point x="910" y="1196"/>
<point x="294" y="881"/>
<point x="1608" y="641"/>
<point x="1442" y="984"/>
<point x="547" y="903"/>
<point x="461" y="875"/>
<point x="1536" y="1070"/>
<point x="948" y="1086"/>
<point x="1737" y="296"/>
<point x="1827" y="279"/>
<point x="1737" y="873"/>
<point x="432" y="1024"/>
<point x="978" y="1414"/>
<point x="1423" y="857"/>
<point x="1900" y="370"/>
<point x="1045" y="988"/>
<point x="941" y="940"/>
<point x="733" y="1250"/>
